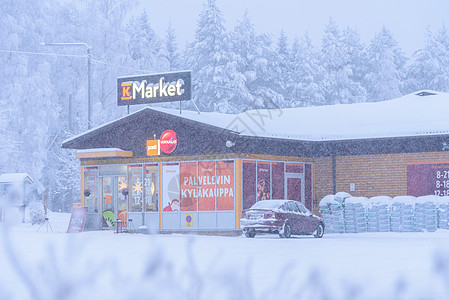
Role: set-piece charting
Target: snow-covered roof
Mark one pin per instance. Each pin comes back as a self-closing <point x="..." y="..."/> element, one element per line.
<point x="420" y="113"/>
<point x="98" y="150"/>
<point x="15" y="178"/>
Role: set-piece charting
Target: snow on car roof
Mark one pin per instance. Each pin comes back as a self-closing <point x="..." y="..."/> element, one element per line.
<point x="274" y="203"/>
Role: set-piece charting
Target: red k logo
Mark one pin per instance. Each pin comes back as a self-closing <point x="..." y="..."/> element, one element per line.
<point x="125" y="91"/>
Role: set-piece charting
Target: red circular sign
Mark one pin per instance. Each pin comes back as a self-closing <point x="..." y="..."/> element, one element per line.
<point x="168" y="141"/>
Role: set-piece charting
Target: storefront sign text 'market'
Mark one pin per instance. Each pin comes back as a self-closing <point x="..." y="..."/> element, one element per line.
<point x="154" y="88"/>
<point x="145" y="90"/>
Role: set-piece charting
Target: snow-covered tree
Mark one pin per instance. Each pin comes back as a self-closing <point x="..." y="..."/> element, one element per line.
<point x="145" y="46"/>
<point x="212" y="63"/>
<point x="171" y="53"/>
<point x="307" y="75"/>
<point x="251" y="78"/>
<point x="337" y="52"/>
<point x="386" y="67"/>
<point x="355" y="61"/>
<point x="28" y="93"/>
<point x="430" y="66"/>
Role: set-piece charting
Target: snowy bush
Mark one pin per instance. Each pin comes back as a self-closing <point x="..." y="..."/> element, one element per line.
<point x="35" y="213"/>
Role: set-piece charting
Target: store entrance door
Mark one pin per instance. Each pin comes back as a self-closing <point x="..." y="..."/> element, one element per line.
<point x="114" y="200"/>
<point x="294" y="189"/>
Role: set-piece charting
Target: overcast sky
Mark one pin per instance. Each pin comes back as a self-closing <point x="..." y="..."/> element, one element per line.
<point x="406" y="19"/>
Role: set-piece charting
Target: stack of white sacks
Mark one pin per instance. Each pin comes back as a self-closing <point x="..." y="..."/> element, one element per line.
<point x="378" y="214"/>
<point x="443" y="213"/>
<point x="343" y="213"/>
<point x="331" y="209"/>
<point x="401" y="215"/>
<point x="426" y="213"/>
<point x="355" y="214"/>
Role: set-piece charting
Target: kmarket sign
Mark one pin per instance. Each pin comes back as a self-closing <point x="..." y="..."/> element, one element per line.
<point x="154" y="88"/>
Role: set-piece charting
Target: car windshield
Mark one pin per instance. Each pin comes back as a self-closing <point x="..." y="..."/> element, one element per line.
<point x="267" y="204"/>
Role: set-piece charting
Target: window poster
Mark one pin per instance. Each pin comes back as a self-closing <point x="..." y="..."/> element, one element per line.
<point x="249" y="183"/>
<point x="225" y="185"/>
<point x="277" y="187"/>
<point x="206" y="185"/>
<point x="188" y="186"/>
<point x="263" y="181"/>
<point x="170" y="187"/>
<point x="151" y="187"/>
<point x="135" y="188"/>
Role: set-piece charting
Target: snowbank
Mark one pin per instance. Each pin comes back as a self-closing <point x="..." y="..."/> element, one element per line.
<point x="357" y="200"/>
<point x="327" y="200"/>
<point x="380" y="200"/>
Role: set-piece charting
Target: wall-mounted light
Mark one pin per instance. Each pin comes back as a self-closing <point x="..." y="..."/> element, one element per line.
<point x="229" y="144"/>
<point x="445" y="146"/>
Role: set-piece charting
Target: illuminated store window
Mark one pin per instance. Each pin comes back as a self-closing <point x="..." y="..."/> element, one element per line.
<point x="90" y="189"/>
<point x="263" y="180"/>
<point x="151" y="187"/>
<point x="189" y="188"/>
<point x="135" y="188"/>
<point x="225" y="185"/>
<point x="206" y="185"/>
<point x="170" y="187"/>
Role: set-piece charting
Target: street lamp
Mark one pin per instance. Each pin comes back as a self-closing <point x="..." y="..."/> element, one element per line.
<point x="89" y="116"/>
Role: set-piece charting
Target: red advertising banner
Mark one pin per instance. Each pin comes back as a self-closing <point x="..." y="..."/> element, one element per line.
<point x="188" y="186"/>
<point x="206" y="184"/>
<point x="428" y="179"/>
<point x="277" y="180"/>
<point x="77" y="219"/>
<point x="263" y="181"/>
<point x="249" y="183"/>
<point x="225" y="185"/>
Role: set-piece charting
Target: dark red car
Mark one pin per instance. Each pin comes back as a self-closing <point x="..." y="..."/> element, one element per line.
<point x="283" y="217"/>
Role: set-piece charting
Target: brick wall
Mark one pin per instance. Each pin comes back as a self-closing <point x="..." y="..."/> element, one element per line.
<point x="322" y="178"/>
<point x="372" y="175"/>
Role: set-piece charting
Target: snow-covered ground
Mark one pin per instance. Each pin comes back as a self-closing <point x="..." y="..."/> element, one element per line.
<point x="104" y="265"/>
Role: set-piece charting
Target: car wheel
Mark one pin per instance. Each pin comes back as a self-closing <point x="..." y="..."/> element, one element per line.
<point x="319" y="231"/>
<point x="286" y="231"/>
<point x="250" y="234"/>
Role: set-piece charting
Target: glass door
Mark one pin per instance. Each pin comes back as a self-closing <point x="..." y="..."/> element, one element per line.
<point x="294" y="187"/>
<point x="114" y="200"/>
<point x="107" y="201"/>
<point x="122" y="199"/>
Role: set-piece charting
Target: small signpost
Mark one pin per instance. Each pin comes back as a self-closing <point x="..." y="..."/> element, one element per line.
<point x="77" y="219"/>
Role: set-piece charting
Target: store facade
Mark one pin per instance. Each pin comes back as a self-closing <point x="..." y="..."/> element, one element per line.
<point x="196" y="183"/>
<point x="174" y="171"/>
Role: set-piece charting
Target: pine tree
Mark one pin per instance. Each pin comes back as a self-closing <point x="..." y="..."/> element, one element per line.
<point x="333" y="61"/>
<point x="386" y="65"/>
<point x="171" y="52"/>
<point x="145" y="45"/>
<point x="211" y="62"/>
<point x="355" y="64"/>
<point x="31" y="118"/>
<point x="252" y="76"/>
<point x="430" y="67"/>
<point x="307" y="75"/>
<point x="340" y="55"/>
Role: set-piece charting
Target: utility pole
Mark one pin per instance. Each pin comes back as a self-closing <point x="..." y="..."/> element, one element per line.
<point x="89" y="71"/>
